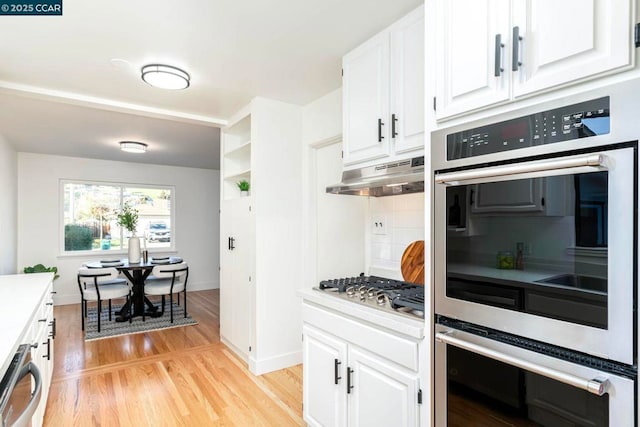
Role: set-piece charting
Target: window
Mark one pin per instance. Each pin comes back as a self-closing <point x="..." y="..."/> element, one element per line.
<point x="90" y="221"/>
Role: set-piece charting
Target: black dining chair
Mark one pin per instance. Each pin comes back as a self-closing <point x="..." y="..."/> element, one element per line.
<point x="99" y="284"/>
<point x="168" y="279"/>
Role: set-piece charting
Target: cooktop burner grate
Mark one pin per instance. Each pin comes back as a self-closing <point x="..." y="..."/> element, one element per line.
<point x="399" y="294"/>
<point x="412" y="298"/>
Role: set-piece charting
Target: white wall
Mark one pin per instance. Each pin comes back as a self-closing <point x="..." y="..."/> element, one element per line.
<point x="334" y="225"/>
<point x="196" y="214"/>
<point x="404" y="217"/>
<point x="322" y="118"/>
<point x="8" y="203"/>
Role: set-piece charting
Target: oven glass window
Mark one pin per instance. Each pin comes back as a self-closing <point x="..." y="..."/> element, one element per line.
<point x="485" y="392"/>
<point x="536" y="245"/>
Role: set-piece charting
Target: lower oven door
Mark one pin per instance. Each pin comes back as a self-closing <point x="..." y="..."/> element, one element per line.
<point x="480" y="381"/>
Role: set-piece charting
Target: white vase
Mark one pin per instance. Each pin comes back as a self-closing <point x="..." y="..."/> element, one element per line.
<point x="134" y="250"/>
<point x="244" y="193"/>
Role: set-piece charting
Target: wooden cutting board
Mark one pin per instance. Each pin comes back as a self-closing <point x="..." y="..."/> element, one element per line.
<point x="412" y="263"/>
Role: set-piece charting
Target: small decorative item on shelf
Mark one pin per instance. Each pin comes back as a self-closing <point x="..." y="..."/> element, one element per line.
<point x="128" y="218"/>
<point x="244" y="187"/>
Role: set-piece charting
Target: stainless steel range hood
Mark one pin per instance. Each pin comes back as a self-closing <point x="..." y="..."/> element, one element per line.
<point x="388" y="179"/>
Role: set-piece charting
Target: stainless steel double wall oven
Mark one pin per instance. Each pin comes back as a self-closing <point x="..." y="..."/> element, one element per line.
<point x="535" y="273"/>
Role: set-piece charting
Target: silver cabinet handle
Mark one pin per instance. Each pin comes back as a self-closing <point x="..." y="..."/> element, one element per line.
<point x="24" y="418"/>
<point x="497" y="66"/>
<point x="597" y="386"/>
<point x="593" y="160"/>
<point x="515" y="40"/>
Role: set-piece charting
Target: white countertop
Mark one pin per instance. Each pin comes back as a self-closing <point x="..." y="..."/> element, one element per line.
<point x="387" y="320"/>
<point x="21" y="295"/>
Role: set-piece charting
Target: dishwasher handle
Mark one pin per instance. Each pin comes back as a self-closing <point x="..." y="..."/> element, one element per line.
<point x="597" y="386"/>
<point x="24" y="419"/>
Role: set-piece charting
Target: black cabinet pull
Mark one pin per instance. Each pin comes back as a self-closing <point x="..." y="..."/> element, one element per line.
<point x="349" y="386"/>
<point x="515" y="40"/>
<point x="336" y="364"/>
<point x="53" y="328"/>
<point x="232" y="242"/>
<point x="498" y="56"/>
<point x="48" y="355"/>
<point x="394" y="119"/>
<point x="380" y="124"/>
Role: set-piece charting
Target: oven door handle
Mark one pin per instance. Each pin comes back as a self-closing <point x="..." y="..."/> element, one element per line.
<point x="24" y="418"/>
<point x="596" y="161"/>
<point x="597" y="386"/>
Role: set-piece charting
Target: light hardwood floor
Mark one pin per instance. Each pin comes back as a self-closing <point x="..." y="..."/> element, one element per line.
<point x="173" y="377"/>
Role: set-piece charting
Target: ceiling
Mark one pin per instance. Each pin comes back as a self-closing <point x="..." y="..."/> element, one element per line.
<point x="61" y="92"/>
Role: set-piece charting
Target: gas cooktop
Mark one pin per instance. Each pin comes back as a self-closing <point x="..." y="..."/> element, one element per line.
<point x="385" y="294"/>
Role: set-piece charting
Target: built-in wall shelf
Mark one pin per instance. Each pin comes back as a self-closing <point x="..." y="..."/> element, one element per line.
<point x="236" y="157"/>
<point x="239" y="150"/>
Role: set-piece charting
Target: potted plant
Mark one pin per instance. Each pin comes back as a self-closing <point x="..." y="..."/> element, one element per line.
<point x="244" y="187"/>
<point x="40" y="268"/>
<point x="128" y="219"/>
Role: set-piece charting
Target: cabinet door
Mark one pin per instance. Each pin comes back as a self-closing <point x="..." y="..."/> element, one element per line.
<point x="226" y="267"/>
<point x="383" y="394"/>
<point x="467" y="33"/>
<point x="407" y="82"/>
<point x="570" y="40"/>
<point x="324" y="372"/>
<point x="243" y="299"/>
<point x="236" y="299"/>
<point x="365" y="87"/>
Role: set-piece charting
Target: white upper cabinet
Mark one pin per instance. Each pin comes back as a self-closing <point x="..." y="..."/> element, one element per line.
<point x="366" y="100"/>
<point x="407" y="83"/>
<point x="472" y="55"/>
<point x="495" y="51"/>
<point x="383" y="93"/>
<point x="569" y="40"/>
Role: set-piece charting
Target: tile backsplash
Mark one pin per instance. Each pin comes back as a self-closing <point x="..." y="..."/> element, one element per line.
<point x="402" y="220"/>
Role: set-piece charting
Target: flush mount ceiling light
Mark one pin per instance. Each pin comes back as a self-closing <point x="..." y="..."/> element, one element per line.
<point x="133" y="146"/>
<point x="165" y="76"/>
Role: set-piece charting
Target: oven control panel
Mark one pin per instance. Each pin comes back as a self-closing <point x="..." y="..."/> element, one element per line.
<point x="575" y="121"/>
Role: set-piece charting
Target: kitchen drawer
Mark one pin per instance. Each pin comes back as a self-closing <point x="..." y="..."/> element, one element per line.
<point x="399" y="349"/>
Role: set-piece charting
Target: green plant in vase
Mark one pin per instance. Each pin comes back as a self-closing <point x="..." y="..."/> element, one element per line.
<point x="128" y="218"/>
<point x="244" y="187"/>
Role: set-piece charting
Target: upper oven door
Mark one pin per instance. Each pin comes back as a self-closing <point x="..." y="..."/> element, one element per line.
<point x="543" y="249"/>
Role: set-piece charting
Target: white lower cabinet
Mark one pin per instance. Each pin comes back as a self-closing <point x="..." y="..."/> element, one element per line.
<point x="383" y="394"/>
<point x="324" y="371"/>
<point x="348" y="385"/>
<point x="43" y="330"/>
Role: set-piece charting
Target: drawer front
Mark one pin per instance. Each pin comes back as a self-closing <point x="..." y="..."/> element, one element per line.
<point x="401" y="350"/>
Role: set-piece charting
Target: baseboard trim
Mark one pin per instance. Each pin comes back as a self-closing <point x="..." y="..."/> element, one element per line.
<point x="263" y="366"/>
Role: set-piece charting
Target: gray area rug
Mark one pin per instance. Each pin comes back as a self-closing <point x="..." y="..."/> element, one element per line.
<point x="112" y="328"/>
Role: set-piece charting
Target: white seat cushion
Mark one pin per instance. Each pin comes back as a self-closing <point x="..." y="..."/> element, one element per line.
<point x="106" y="291"/>
<point x="162" y="287"/>
<point x="88" y="282"/>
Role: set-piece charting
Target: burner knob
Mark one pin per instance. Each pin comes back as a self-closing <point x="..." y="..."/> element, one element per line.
<point x="381" y="299"/>
<point x="372" y="293"/>
<point x="351" y="291"/>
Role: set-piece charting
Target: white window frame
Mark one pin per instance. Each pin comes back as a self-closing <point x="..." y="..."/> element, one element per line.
<point x="63" y="182"/>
